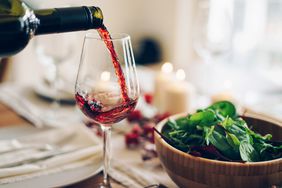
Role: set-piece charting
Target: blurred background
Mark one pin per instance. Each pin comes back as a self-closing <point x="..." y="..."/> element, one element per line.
<point x="232" y="45"/>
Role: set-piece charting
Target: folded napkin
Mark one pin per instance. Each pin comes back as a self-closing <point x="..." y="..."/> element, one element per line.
<point x="78" y="145"/>
<point x="129" y="169"/>
<point x="24" y="101"/>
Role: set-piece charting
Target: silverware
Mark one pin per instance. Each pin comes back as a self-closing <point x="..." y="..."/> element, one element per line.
<point x="156" y="186"/>
<point x="37" y="158"/>
<point x="15" y="145"/>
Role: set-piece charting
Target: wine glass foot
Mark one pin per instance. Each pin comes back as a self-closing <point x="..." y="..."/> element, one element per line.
<point x="110" y="185"/>
<point x="104" y="185"/>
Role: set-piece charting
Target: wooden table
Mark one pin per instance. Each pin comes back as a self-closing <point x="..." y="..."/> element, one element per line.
<point x="8" y="117"/>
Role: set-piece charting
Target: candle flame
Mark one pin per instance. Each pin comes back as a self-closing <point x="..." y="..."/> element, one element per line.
<point x="180" y="75"/>
<point x="105" y="76"/>
<point x="167" y="67"/>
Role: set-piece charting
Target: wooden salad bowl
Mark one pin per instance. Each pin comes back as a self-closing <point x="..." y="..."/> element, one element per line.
<point x="188" y="171"/>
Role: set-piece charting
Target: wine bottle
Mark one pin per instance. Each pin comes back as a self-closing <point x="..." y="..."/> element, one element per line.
<point x="19" y="23"/>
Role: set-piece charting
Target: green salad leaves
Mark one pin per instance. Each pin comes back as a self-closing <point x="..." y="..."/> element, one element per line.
<point x="217" y="132"/>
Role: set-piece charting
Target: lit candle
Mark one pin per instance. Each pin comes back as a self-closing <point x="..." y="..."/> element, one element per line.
<point x="179" y="95"/>
<point x="161" y="80"/>
<point x="107" y="91"/>
<point x="105" y="76"/>
<point x="226" y="94"/>
<point x="104" y="84"/>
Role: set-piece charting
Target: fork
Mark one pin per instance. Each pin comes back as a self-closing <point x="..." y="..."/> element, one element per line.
<point x="156" y="186"/>
<point x="15" y="145"/>
<point x="38" y="158"/>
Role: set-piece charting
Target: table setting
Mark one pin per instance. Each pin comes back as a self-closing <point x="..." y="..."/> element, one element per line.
<point x="37" y="161"/>
<point x="46" y="151"/>
<point x="59" y="152"/>
<point x="106" y="121"/>
<point x="45" y="154"/>
<point x="63" y="151"/>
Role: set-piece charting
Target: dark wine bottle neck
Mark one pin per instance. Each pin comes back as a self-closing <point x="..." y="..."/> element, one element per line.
<point x="60" y="20"/>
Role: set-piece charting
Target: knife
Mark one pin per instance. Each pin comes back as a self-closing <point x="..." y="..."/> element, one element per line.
<point x="42" y="157"/>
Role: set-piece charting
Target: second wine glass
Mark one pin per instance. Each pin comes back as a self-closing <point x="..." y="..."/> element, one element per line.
<point x="107" y="88"/>
<point x="52" y="52"/>
<point x="212" y="41"/>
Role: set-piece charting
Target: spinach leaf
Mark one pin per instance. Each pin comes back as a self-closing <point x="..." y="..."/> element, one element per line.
<point x="171" y="123"/>
<point x="248" y="152"/>
<point x="224" y="108"/>
<point x="221" y="143"/>
<point x="227" y="122"/>
<point x="206" y="118"/>
<point x="235" y="128"/>
<point x="194" y="140"/>
<point x="177" y="137"/>
<point x="234" y="142"/>
<point x="257" y="136"/>
<point x="268" y="151"/>
<point x="207" y="133"/>
<point x="182" y="123"/>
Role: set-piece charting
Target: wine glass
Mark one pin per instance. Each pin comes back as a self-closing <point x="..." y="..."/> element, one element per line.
<point x="106" y="90"/>
<point x="52" y="51"/>
<point x="212" y="38"/>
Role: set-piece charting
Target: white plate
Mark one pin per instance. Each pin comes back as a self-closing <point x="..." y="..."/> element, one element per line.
<point x="60" y="179"/>
<point x="46" y="92"/>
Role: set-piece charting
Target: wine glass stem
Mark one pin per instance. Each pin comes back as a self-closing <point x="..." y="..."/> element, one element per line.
<point x="107" y="153"/>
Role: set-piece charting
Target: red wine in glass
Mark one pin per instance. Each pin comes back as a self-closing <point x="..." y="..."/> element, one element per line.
<point x="102" y="113"/>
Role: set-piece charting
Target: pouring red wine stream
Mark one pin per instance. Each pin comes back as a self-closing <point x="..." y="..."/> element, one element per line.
<point x="105" y="35"/>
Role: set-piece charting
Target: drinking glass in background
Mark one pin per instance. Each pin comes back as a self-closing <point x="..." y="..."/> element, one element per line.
<point x="212" y="38"/>
<point x="106" y="88"/>
<point x="52" y="51"/>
